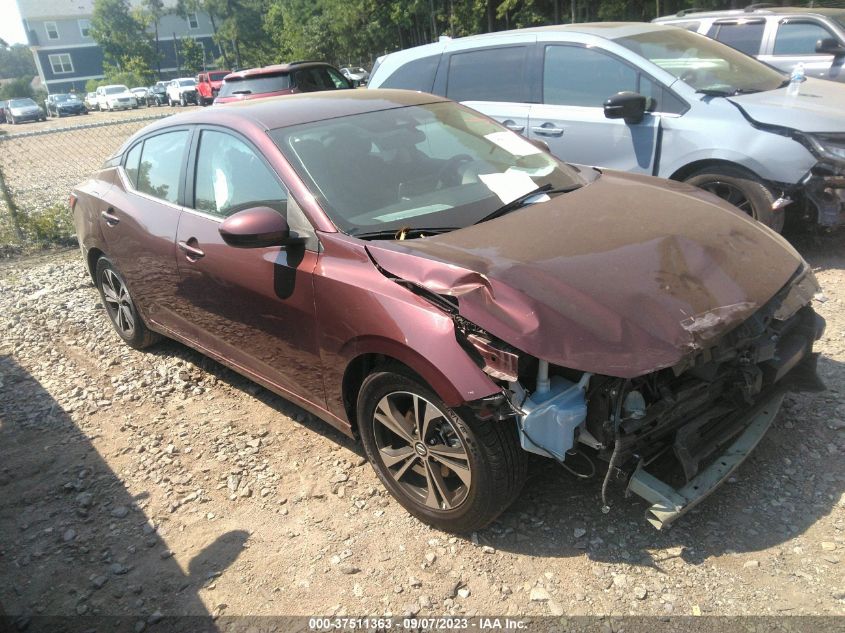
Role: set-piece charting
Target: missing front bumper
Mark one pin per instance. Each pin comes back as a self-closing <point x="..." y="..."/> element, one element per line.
<point x="669" y="503"/>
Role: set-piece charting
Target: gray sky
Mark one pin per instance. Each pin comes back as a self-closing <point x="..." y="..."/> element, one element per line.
<point x="11" y="28"/>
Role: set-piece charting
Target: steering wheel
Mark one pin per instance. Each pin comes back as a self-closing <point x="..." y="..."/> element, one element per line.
<point x="449" y="174"/>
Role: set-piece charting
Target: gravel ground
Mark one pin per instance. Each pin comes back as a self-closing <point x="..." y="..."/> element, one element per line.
<point x="161" y="483"/>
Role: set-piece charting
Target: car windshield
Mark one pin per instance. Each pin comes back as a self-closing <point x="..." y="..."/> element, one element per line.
<point x="216" y="76"/>
<point x="259" y="84"/>
<point x="64" y="97"/>
<point x="704" y="64"/>
<point x="114" y="90"/>
<point x="187" y="82"/>
<point x="21" y="103"/>
<point x="438" y="166"/>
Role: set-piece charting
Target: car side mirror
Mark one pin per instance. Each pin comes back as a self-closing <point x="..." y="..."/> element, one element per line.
<point x="256" y="228"/>
<point x="627" y="105"/>
<point x="830" y="46"/>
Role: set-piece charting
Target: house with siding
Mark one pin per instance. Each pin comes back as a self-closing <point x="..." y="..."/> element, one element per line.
<point x="66" y="56"/>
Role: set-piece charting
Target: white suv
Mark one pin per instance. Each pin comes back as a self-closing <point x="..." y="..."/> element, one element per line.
<point x="182" y="91"/>
<point x="115" y="97"/>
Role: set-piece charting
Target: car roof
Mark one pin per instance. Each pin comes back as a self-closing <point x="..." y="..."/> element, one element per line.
<point x="282" y="111"/>
<point x="758" y="11"/>
<point x="272" y="70"/>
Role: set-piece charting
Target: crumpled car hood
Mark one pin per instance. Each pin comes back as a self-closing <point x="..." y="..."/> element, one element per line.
<point x="817" y="107"/>
<point x="625" y="276"/>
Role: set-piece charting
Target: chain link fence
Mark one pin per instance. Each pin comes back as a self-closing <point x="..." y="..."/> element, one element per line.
<point x="38" y="170"/>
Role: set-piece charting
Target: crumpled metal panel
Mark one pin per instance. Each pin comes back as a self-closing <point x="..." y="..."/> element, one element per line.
<point x="622" y="277"/>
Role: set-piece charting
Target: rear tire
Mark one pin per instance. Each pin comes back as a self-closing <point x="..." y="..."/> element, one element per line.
<point x="743" y="189"/>
<point x="121" y="308"/>
<point x="447" y="468"/>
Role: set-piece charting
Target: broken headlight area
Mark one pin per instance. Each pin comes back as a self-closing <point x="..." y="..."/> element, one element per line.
<point x="823" y="188"/>
<point x="671" y="436"/>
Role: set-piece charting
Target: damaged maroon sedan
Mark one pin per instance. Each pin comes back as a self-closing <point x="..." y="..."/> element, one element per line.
<point x="417" y="275"/>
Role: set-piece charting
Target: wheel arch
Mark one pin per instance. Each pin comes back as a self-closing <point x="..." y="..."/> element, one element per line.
<point x="91" y="258"/>
<point x="689" y="169"/>
<point x="386" y="353"/>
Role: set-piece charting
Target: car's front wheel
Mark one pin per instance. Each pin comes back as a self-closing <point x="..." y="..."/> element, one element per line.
<point x="447" y="468"/>
<point x="742" y="189"/>
<point x="121" y="308"/>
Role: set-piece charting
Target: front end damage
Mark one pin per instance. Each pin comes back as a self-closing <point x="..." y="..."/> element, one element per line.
<point x="674" y="435"/>
<point x="654" y="341"/>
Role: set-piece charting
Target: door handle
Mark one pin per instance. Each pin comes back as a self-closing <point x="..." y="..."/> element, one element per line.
<point x="192" y="253"/>
<point x="547" y="129"/>
<point x="512" y="126"/>
<point x="109" y="216"/>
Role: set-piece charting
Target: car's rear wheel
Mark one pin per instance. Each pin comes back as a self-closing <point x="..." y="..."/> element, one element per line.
<point x="447" y="468"/>
<point x="121" y="308"/>
<point x="742" y="189"/>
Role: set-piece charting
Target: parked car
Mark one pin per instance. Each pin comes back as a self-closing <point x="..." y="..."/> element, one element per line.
<point x="780" y="36"/>
<point x="279" y="80"/>
<point x="21" y="110"/>
<point x="90" y="101"/>
<point x="182" y="91"/>
<point x="208" y="85"/>
<point x="115" y="97"/>
<point x="356" y="75"/>
<point x="2" y="111"/>
<point x="157" y="94"/>
<point x="59" y="105"/>
<point x="654" y="99"/>
<point x="140" y="93"/>
<point x="418" y="275"/>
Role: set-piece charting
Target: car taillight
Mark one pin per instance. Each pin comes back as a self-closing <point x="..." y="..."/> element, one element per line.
<point x="72" y="201"/>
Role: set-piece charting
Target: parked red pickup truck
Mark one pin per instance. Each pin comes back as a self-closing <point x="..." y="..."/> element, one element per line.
<point x="208" y="85"/>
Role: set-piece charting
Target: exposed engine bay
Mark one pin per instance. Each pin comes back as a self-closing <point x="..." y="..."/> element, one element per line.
<point x="687" y="426"/>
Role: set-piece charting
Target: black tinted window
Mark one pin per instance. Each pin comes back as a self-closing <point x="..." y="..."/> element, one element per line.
<point x="493" y="74"/>
<point x="317" y="78"/>
<point x="255" y="85"/>
<point x="230" y="177"/>
<point x="579" y="76"/>
<point x="161" y="165"/>
<point x="799" y="38"/>
<point x="415" y="75"/>
<point x="131" y="164"/>
<point x="743" y="37"/>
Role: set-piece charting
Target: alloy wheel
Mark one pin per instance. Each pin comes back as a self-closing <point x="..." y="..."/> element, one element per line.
<point x="730" y="193"/>
<point x="422" y="451"/>
<point x="118" y="302"/>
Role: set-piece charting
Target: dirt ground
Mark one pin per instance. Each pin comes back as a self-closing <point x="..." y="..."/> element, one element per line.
<point x="159" y="483"/>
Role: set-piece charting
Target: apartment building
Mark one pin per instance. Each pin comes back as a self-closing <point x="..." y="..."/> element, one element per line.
<point x="66" y="56"/>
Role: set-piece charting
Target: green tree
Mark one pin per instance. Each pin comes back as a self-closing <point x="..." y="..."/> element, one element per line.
<point x="190" y="56"/>
<point x="16" y="61"/>
<point x="151" y="12"/>
<point x="17" y="88"/>
<point x="121" y="34"/>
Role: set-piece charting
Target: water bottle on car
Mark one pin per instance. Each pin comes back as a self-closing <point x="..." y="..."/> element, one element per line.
<point x="796" y="79"/>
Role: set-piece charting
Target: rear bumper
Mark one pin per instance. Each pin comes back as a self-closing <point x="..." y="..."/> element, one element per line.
<point x="668" y="503"/>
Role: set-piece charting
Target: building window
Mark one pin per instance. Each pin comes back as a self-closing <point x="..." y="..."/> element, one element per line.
<point x="193" y="21"/>
<point x="85" y="28"/>
<point x="61" y="63"/>
<point x="52" y="31"/>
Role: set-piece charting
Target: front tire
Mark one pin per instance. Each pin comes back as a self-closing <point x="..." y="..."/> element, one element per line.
<point x="742" y="189"/>
<point x="121" y="308"/>
<point x="447" y="468"/>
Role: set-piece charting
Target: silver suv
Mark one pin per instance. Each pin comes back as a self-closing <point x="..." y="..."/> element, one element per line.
<point x="651" y="99"/>
<point x="780" y="36"/>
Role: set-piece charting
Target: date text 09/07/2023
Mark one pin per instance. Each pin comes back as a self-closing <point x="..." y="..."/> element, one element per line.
<point x="415" y="624"/>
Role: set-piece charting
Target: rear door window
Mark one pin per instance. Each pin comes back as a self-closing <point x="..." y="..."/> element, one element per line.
<point x="162" y="159"/>
<point x="796" y="37"/>
<point x="415" y="75"/>
<point x="492" y="74"/>
<point x="743" y="36"/>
